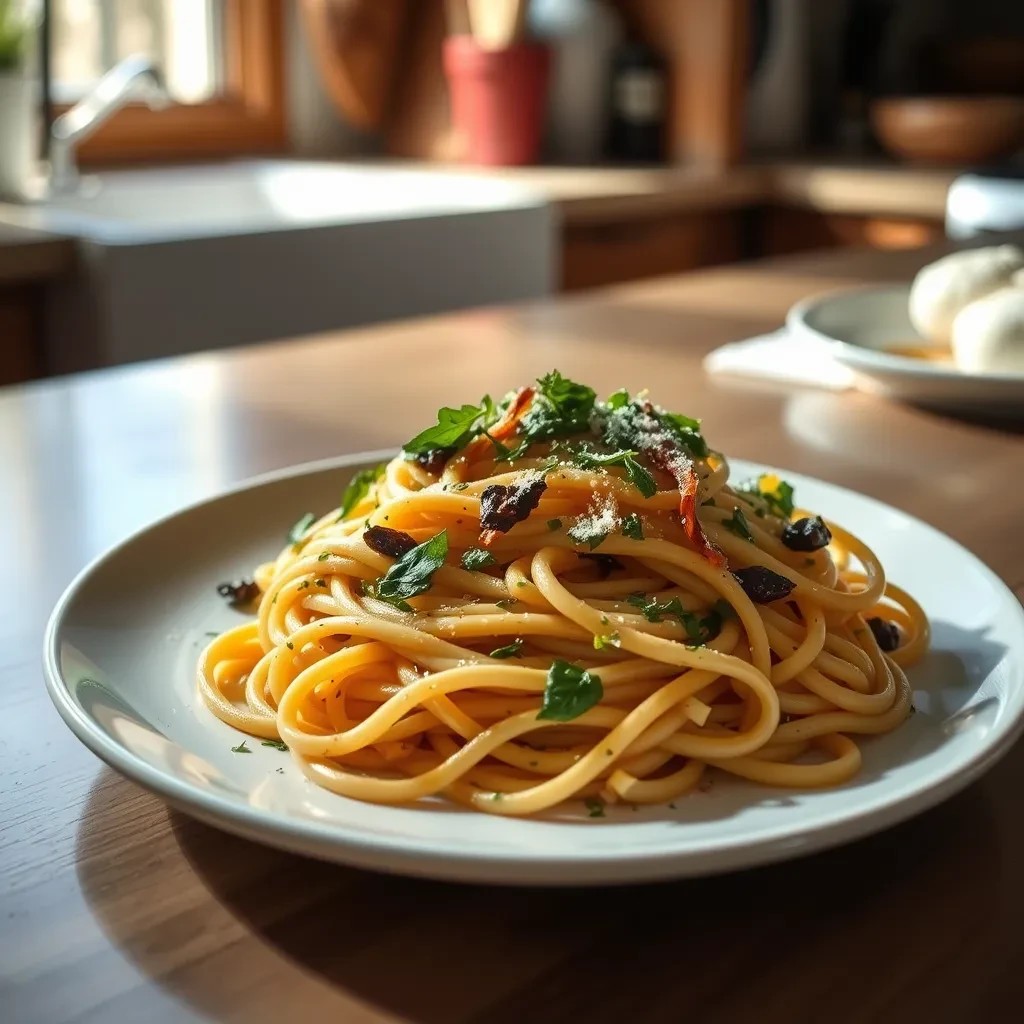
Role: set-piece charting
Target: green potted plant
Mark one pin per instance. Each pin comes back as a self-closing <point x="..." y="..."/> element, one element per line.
<point x="18" y="98"/>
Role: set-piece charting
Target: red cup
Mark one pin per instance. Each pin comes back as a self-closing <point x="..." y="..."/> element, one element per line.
<point x="498" y="99"/>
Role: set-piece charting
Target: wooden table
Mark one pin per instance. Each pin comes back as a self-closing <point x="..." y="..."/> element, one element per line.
<point x="113" y="908"/>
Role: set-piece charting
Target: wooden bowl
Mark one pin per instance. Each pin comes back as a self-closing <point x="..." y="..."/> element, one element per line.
<point x="949" y="129"/>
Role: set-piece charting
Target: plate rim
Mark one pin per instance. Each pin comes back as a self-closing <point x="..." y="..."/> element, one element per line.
<point x="400" y="856"/>
<point x="871" y="360"/>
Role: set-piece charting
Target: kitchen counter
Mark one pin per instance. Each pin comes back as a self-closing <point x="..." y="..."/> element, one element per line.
<point x="27" y="255"/>
<point x="586" y="194"/>
<point x="114" y="907"/>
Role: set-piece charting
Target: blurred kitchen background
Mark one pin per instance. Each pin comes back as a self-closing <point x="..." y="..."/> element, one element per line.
<point x="182" y="175"/>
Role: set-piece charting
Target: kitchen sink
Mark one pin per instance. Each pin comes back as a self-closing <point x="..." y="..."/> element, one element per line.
<point x="182" y="259"/>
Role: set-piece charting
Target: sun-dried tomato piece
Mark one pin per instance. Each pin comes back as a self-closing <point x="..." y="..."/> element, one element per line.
<point x="762" y="585"/>
<point x="502" y="507"/>
<point x="385" y="541"/>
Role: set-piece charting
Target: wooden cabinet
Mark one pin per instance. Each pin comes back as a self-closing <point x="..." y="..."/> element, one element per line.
<point x="20" y="333"/>
<point x="785" y="229"/>
<point x="628" y="248"/>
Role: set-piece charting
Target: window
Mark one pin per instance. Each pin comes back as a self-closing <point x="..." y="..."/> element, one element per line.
<point x="221" y="60"/>
<point x="182" y="36"/>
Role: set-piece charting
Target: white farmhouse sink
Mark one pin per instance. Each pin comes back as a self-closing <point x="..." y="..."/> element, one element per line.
<point x="189" y="258"/>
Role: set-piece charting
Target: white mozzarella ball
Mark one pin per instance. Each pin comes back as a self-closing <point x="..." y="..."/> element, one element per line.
<point x="945" y="287"/>
<point x="988" y="335"/>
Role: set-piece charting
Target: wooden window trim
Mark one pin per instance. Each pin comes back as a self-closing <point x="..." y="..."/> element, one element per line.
<point x="248" y="116"/>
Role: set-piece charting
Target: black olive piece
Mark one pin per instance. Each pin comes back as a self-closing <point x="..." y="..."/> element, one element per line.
<point x="434" y="461"/>
<point x="385" y="541"/>
<point x="762" y="585"/>
<point x="606" y="564"/>
<point x="502" y="507"/>
<point x="807" y="535"/>
<point x="239" y="593"/>
<point x="887" y="634"/>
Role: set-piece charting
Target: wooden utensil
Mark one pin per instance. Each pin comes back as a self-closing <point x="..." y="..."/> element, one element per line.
<point x="497" y="24"/>
<point x="356" y="47"/>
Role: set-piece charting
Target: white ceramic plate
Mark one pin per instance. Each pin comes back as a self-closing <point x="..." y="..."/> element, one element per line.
<point x="120" y="659"/>
<point x="861" y="326"/>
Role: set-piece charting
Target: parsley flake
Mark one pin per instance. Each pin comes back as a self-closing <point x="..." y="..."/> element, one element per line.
<point x="241" y="749"/>
<point x="737" y="524"/>
<point x="358" y="488"/>
<point x="511" y="650"/>
<point x="633" y="527"/>
<point x="477" y="558"/>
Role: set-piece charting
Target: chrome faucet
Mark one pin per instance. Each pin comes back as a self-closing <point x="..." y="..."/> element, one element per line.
<point x="132" y="77"/>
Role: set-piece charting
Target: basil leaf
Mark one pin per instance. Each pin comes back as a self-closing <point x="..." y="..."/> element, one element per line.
<point x="358" y="488"/>
<point x="737" y="524"/>
<point x="511" y="651"/>
<point x="633" y="527"/>
<point x="477" y="558"/>
<point x="298" y="531"/>
<point x="637" y="474"/>
<point x="606" y="640"/>
<point x="617" y="399"/>
<point x="594" y="806"/>
<point x="454" y="429"/>
<point x="554" y="524"/>
<point x="276" y="744"/>
<point x="506" y="603"/>
<point x="413" y="573"/>
<point x="569" y="692"/>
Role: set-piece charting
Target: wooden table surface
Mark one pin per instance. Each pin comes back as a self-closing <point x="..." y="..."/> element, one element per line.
<point x="114" y="908"/>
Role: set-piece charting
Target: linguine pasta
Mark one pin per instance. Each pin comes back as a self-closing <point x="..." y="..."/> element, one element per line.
<point x="556" y="598"/>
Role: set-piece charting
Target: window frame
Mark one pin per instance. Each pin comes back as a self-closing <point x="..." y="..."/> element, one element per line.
<point x="247" y="116"/>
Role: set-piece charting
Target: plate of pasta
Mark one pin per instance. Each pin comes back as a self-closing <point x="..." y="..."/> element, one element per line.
<point x="555" y="639"/>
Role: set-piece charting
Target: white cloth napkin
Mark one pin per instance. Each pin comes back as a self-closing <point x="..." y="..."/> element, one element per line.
<point x="780" y="356"/>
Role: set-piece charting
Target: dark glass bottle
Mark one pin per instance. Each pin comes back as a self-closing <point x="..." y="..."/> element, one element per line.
<point x="638" y="95"/>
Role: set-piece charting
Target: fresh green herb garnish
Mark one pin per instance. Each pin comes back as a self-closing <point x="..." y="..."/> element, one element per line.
<point x="358" y="488"/>
<point x="413" y="573"/>
<point x="320" y="582"/>
<point x="455" y="428"/>
<point x="606" y="640"/>
<point x="560" y="407"/>
<point x="587" y="531"/>
<point x="477" y="558"/>
<point x="617" y="399"/>
<point x="289" y="645"/>
<point x="554" y="524"/>
<point x="506" y="454"/>
<point x="638" y="475"/>
<point x="506" y="603"/>
<point x="241" y="749"/>
<point x="698" y="630"/>
<point x="737" y="523"/>
<point x="594" y="806"/>
<point x="569" y="692"/>
<point x="298" y="531"/>
<point x="776" y="493"/>
<point x="633" y="527"/>
<point x="461" y="486"/>
<point x="510" y="651"/>
<point x="276" y="744"/>
<point x="323" y="557"/>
